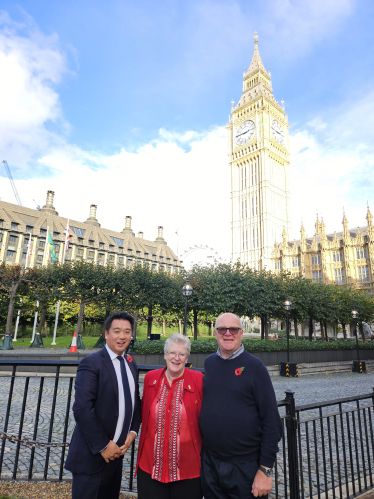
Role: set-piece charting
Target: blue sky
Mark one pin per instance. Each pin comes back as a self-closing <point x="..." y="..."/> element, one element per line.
<point x="124" y="104"/>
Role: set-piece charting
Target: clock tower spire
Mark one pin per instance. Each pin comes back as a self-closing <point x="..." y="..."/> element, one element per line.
<point x="259" y="162"/>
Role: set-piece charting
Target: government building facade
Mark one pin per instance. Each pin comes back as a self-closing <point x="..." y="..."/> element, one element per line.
<point x="343" y="258"/>
<point x="259" y="160"/>
<point x="88" y="240"/>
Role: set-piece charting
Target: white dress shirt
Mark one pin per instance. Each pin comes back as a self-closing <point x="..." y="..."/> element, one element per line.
<point x="121" y="395"/>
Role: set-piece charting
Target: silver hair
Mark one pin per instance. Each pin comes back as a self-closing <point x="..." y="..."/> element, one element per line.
<point x="178" y="338"/>
<point x="241" y="322"/>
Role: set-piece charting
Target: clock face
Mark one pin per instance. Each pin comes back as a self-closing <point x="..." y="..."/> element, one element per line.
<point x="245" y="132"/>
<point x="278" y="132"/>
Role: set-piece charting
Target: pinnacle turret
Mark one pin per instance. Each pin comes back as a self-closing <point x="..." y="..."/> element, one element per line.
<point x="256" y="64"/>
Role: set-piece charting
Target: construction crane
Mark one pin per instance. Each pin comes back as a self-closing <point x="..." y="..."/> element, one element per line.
<point x="5" y="163"/>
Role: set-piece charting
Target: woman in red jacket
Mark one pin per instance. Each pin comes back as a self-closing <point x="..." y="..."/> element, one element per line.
<point x="170" y="439"/>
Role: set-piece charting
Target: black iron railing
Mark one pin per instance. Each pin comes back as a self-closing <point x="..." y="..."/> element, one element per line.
<point x="327" y="449"/>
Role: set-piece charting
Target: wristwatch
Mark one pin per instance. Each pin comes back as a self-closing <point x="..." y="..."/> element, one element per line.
<point x="267" y="471"/>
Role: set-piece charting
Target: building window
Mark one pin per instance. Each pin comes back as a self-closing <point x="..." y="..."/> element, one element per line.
<point x="10" y="253"/>
<point x="363" y="274"/>
<point x="120" y="259"/>
<point x="337" y="256"/>
<point x="111" y="247"/>
<point x="91" y="242"/>
<point x="14" y="225"/>
<point x="129" y="251"/>
<point x="316" y="260"/>
<point x="129" y="261"/>
<point x="278" y="264"/>
<point x="153" y="257"/>
<point x="360" y="253"/>
<point x="317" y="276"/>
<point x="101" y="245"/>
<point x="111" y="258"/>
<point x="24" y="255"/>
<point x="80" y="240"/>
<point x="57" y="248"/>
<point x="1" y="236"/>
<point x="41" y="244"/>
<point x="80" y="252"/>
<point x="26" y="241"/>
<point x="161" y="258"/>
<point x="146" y="255"/>
<point x="28" y="228"/>
<point x="12" y="239"/>
<point x="339" y="276"/>
<point x="154" y="266"/>
<point x="43" y="232"/>
<point x="101" y="256"/>
<point x="295" y="262"/>
<point x="56" y="234"/>
<point x="91" y="254"/>
<point x="39" y="258"/>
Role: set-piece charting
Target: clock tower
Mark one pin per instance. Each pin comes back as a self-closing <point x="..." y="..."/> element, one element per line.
<point x="259" y="159"/>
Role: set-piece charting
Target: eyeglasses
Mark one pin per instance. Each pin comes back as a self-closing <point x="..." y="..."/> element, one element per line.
<point x="182" y="356"/>
<point x="232" y="330"/>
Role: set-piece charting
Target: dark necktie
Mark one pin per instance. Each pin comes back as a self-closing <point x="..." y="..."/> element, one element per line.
<point x="128" y="402"/>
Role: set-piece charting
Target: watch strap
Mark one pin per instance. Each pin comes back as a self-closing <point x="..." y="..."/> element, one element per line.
<point x="267" y="471"/>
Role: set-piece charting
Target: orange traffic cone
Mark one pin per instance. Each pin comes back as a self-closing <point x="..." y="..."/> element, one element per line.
<point x="277" y="337"/>
<point x="272" y="336"/>
<point x="73" y="346"/>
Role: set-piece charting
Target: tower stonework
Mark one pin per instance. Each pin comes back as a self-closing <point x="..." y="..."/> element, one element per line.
<point x="259" y="161"/>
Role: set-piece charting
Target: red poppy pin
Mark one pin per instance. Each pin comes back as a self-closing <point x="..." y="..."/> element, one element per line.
<point x="129" y="358"/>
<point x="239" y="371"/>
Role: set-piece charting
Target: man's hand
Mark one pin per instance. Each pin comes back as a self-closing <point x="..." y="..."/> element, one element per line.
<point x="112" y="452"/>
<point x="128" y="442"/>
<point x="261" y="484"/>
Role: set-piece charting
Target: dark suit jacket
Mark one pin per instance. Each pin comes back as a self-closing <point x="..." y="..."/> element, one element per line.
<point x="96" y="411"/>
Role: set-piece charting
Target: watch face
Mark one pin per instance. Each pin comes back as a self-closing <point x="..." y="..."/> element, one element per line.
<point x="278" y="132"/>
<point x="245" y="132"/>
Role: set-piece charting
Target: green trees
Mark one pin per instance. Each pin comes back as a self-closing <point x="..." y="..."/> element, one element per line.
<point x="146" y="294"/>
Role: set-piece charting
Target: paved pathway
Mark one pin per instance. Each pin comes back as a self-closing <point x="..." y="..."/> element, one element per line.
<point x="308" y="389"/>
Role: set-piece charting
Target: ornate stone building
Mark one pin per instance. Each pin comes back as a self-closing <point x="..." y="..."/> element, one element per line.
<point x="344" y="258"/>
<point x="259" y="161"/>
<point x="88" y="240"/>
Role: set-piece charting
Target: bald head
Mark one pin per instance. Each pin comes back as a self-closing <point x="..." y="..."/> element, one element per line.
<point x="229" y="316"/>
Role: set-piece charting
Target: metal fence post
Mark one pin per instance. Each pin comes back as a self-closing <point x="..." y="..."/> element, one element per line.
<point x="291" y="425"/>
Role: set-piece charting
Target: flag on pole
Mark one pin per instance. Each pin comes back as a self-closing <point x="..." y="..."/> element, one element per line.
<point x="51" y="247"/>
<point x="67" y="236"/>
<point x="28" y="251"/>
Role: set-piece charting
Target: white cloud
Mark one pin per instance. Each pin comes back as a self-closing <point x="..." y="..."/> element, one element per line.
<point x="31" y="64"/>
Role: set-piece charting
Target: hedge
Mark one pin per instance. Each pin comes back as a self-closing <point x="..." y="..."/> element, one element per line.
<point x="210" y="346"/>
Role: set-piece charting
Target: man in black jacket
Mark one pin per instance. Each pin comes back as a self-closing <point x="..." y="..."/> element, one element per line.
<point x="239" y="419"/>
<point x="107" y="413"/>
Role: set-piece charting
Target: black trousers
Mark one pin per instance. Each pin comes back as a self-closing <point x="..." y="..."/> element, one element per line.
<point x="103" y="485"/>
<point x="182" y="489"/>
<point x="221" y="480"/>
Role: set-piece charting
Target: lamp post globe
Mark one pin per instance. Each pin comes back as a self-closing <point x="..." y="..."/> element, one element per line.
<point x="287" y="306"/>
<point x="186" y="291"/>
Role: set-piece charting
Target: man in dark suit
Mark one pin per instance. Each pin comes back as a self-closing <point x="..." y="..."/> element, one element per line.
<point x="107" y="413"/>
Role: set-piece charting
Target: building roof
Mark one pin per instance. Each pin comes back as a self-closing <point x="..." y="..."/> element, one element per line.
<point x="48" y="217"/>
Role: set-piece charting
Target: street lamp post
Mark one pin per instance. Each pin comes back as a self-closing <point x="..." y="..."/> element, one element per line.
<point x="354" y="314"/>
<point x="288" y="305"/>
<point x="358" y="366"/>
<point x="187" y="291"/>
<point x="288" y="368"/>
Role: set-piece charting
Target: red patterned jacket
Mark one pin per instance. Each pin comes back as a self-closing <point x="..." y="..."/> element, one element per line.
<point x="192" y="399"/>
